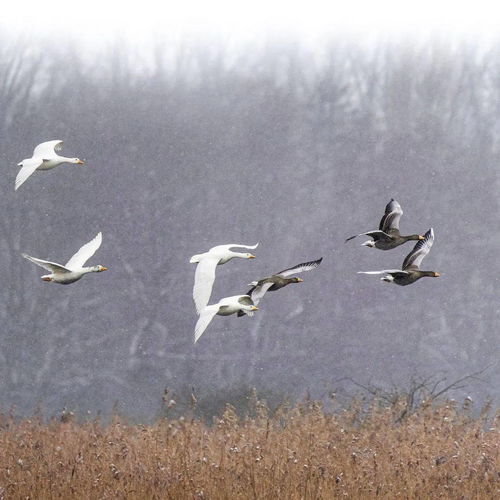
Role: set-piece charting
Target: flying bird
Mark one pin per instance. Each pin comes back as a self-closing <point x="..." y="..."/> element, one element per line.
<point x="279" y="280"/>
<point x="44" y="157"/>
<point x="205" y="270"/>
<point x="411" y="265"/>
<point x="73" y="270"/>
<point x="388" y="236"/>
<point x="225" y="307"/>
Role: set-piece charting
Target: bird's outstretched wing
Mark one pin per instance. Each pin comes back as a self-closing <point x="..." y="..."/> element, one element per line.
<point x="53" y="267"/>
<point x="300" y="268"/>
<point x="206" y="316"/>
<point x="232" y="245"/>
<point x="257" y="292"/>
<point x="47" y="149"/>
<point x="85" y="252"/>
<point x="204" y="278"/>
<point x="420" y="250"/>
<point x="390" y="219"/>
<point x="377" y="234"/>
<point x="29" y="166"/>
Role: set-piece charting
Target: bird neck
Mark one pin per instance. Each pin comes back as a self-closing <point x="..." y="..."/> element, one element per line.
<point x="90" y="269"/>
<point x="239" y="255"/>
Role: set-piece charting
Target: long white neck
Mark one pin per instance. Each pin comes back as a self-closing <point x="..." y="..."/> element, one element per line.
<point x="64" y="159"/>
<point x="89" y="269"/>
<point x="238" y="254"/>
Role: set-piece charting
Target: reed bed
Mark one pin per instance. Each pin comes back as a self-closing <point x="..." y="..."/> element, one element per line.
<point x="300" y="452"/>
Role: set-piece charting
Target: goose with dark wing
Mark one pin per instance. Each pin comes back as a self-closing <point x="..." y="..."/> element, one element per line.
<point x="279" y="280"/>
<point x="388" y="236"/>
<point x="410" y="271"/>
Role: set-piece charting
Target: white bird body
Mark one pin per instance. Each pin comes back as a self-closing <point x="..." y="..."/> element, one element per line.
<point x="44" y="157"/>
<point x="225" y="307"/>
<point x="205" y="270"/>
<point x="73" y="270"/>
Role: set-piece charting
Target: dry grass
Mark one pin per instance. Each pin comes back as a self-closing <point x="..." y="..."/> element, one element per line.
<point x="302" y="452"/>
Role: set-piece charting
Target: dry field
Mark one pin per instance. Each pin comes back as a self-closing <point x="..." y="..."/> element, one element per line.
<point x="300" y="452"/>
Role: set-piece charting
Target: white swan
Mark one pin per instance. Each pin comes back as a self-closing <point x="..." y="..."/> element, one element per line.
<point x="205" y="271"/>
<point x="44" y="157"/>
<point x="73" y="270"/>
<point x="225" y="307"/>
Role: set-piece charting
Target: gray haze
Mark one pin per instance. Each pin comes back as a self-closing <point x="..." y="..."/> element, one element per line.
<point x="280" y="147"/>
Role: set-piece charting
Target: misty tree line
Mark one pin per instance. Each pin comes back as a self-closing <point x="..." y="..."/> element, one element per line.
<point x="196" y="146"/>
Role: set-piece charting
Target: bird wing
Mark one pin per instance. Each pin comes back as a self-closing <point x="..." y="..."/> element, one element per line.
<point x="29" y="166"/>
<point x="232" y="245"/>
<point x="373" y="234"/>
<point x="300" y="268"/>
<point x="257" y="292"/>
<point x="206" y="316"/>
<point x="85" y="252"/>
<point x="248" y="301"/>
<point x="391" y="217"/>
<point x="420" y="250"/>
<point x="385" y="271"/>
<point x="47" y="149"/>
<point x="49" y="266"/>
<point x="203" y="282"/>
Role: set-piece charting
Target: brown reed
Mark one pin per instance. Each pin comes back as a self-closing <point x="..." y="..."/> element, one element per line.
<point x="296" y="453"/>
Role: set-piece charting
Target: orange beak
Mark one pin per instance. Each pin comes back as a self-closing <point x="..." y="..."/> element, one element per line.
<point x="104" y="268"/>
<point x="80" y="162"/>
<point x="299" y="280"/>
<point x="254" y="308"/>
<point x="47" y="279"/>
<point x="251" y="256"/>
<point x="420" y="237"/>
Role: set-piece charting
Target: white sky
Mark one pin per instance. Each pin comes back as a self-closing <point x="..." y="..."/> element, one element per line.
<point x="143" y="20"/>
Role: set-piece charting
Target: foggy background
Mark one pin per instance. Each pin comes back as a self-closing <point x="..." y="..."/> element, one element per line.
<point x="192" y="145"/>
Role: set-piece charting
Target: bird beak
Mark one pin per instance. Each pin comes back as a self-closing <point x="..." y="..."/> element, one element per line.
<point x="420" y="237"/>
<point x="251" y="256"/>
<point x="254" y="308"/>
<point x="104" y="268"/>
<point x="80" y="162"/>
<point x="436" y="275"/>
<point x="46" y="279"/>
<point x="299" y="280"/>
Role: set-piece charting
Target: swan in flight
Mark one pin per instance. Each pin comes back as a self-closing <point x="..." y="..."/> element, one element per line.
<point x="225" y="307"/>
<point x="44" y="157"/>
<point x="73" y="270"/>
<point x="205" y="270"/>
<point x="388" y="236"/>
<point x="410" y="271"/>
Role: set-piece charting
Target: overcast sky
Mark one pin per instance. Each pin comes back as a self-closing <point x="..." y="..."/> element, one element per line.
<point x="246" y="21"/>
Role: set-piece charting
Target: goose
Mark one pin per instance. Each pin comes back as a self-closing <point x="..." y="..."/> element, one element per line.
<point x="225" y="307"/>
<point x="278" y="280"/>
<point x="73" y="270"/>
<point x="44" y="157"/>
<point x="388" y="236"/>
<point x="411" y="265"/>
<point x="205" y="270"/>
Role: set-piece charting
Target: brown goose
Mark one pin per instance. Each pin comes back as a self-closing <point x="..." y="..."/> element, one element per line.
<point x="411" y="265"/>
<point x="388" y="236"/>
<point x="278" y="280"/>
